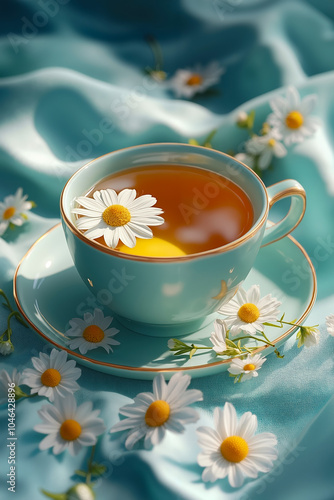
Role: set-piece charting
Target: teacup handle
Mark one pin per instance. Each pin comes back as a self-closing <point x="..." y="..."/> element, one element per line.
<point x="278" y="191"/>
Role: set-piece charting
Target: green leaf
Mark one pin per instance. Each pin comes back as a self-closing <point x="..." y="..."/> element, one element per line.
<point x="281" y="356"/>
<point x="98" y="469"/>
<point x="180" y="352"/>
<point x="55" y="496"/>
<point x="81" y="473"/>
<point x="230" y="343"/>
<point x="250" y="119"/>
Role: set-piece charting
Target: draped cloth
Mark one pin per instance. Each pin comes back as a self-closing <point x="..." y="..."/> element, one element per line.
<point x="72" y="88"/>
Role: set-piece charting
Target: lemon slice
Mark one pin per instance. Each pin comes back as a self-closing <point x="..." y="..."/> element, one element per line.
<point x="155" y="247"/>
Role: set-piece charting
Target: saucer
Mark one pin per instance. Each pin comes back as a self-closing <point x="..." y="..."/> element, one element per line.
<point x="49" y="292"/>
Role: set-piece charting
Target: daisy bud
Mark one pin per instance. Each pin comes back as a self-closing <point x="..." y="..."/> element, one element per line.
<point x="242" y="119"/>
<point x="6" y="347"/>
<point x="80" y="491"/>
<point x="308" y="336"/>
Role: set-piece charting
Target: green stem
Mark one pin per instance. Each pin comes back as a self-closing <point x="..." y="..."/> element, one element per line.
<point x="265" y="336"/>
<point x="8" y="306"/>
<point x="157" y="52"/>
<point x="90" y="463"/>
<point x="2" y="294"/>
<point x="195" y="347"/>
<point x="209" y="138"/>
<point x="255" y="338"/>
<point x="4" y="333"/>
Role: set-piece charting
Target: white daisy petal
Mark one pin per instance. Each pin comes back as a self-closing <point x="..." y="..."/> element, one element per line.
<point x="247" y="426"/>
<point x="330" y="324"/>
<point x="186" y="415"/>
<point x="111" y="237"/>
<point x="90" y="204"/>
<point x="174" y="426"/>
<point x="134" y="437"/>
<point x="108" y="197"/>
<point x="88" y="222"/>
<point x="236" y="476"/>
<point x="159" y="387"/>
<point x="176" y="386"/>
<point x="95" y="232"/>
<point x="47" y="442"/>
<point x="140" y="231"/>
<point x="126" y="197"/>
<point x="127" y="237"/>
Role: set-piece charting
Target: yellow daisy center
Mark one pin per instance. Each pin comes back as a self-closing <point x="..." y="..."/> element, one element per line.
<point x="248" y="313"/>
<point x="93" y="333"/>
<point x="50" y="377"/>
<point x="249" y="367"/>
<point x="70" y="430"/>
<point x="271" y="143"/>
<point x="294" y="119"/>
<point x="194" y="79"/>
<point x="157" y="413"/>
<point x="234" y="449"/>
<point x="116" y="215"/>
<point x="8" y="213"/>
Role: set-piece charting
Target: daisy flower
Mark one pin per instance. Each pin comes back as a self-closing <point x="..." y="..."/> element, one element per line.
<point x="308" y="336"/>
<point x="12" y="210"/>
<point x="52" y="375"/>
<point x="117" y="216"/>
<point x="232" y="449"/>
<point x="246" y="367"/>
<point x="188" y="82"/>
<point x="247" y="311"/>
<point x="330" y="324"/>
<point x="166" y="409"/>
<point x="265" y="147"/>
<point x="291" y="120"/>
<point x="92" y="332"/>
<point x="5" y="381"/>
<point x="68" y="425"/>
<point x="218" y="336"/>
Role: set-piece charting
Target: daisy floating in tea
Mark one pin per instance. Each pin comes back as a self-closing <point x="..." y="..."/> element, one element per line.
<point x="117" y="216"/>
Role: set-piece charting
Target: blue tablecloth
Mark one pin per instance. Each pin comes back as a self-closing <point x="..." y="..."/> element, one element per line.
<point x="67" y="65"/>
